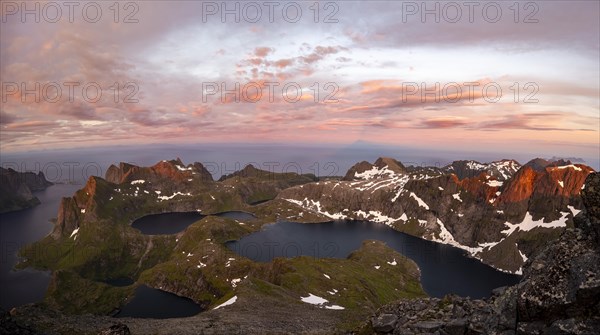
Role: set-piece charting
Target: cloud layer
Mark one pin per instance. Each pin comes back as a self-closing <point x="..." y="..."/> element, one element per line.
<point x="383" y="72"/>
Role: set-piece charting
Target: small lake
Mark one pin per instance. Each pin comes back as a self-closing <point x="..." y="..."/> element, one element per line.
<point x="18" y="229"/>
<point x="166" y="223"/>
<point x="119" y="282"/>
<point x="151" y="303"/>
<point x="237" y="215"/>
<point x="444" y="269"/>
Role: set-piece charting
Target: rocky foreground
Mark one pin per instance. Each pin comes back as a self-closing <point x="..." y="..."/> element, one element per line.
<point x="559" y="292"/>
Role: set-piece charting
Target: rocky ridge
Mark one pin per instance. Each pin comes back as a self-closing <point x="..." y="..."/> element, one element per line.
<point x="559" y="292"/>
<point x="499" y="212"/>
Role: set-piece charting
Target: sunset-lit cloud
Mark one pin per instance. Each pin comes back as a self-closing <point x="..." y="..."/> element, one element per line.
<point x="357" y="79"/>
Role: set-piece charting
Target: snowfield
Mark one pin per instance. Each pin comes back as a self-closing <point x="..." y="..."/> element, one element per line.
<point x="320" y="302"/>
<point x="227" y="303"/>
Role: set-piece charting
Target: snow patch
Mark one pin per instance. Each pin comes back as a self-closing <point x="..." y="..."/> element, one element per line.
<point x="181" y="168"/>
<point x="75" y="231"/>
<point x="561" y="183"/>
<point x="457" y="196"/>
<point x="393" y="263"/>
<point x="314" y="300"/>
<point x="419" y="201"/>
<point x="326" y="276"/>
<point x="337" y="307"/>
<point x="528" y="223"/>
<point x="475" y="165"/>
<point x="494" y="183"/>
<point x="574" y="210"/>
<point x="521" y="254"/>
<point x="227" y="303"/>
<point x="571" y="166"/>
<point x="164" y="197"/>
<point x="139" y="181"/>
<point x="376" y="216"/>
<point x="374" y="172"/>
<point x="447" y="238"/>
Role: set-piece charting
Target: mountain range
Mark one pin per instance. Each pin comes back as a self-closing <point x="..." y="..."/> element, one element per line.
<point x="501" y="213"/>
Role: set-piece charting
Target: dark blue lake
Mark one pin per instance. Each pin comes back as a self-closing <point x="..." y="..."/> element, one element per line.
<point x="237" y="215"/>
<point x="151" y="303"/>
<point x="444" y="269"/>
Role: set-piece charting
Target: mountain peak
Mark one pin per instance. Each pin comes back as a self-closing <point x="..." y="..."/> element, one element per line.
<point x="540" y="164"/>
<point x="391" y="164"/>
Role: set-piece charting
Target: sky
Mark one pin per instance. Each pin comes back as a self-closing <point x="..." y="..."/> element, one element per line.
<point x="487" y="77"/>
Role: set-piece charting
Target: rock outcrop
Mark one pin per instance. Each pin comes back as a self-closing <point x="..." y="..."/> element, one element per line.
<point x="16" y="189"/>
<point x="559" y="292"/>
<point x="10" y="326"/>
<point x="116" y="329"/>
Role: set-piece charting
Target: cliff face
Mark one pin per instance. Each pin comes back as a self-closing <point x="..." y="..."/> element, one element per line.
<point x="173" y="170"/>
<point x="16" y="189"/>
<point x="559" y="292"/>
<point x="498" y="211"/>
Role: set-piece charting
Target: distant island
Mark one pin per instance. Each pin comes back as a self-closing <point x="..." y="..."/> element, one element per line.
<point x="16" y="189"/>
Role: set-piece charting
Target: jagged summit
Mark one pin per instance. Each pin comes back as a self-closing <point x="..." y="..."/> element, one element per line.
<point x="174" y="169"/>
<point x="539" y="164"/>
<point x="501" y="170"/>
<point x="391" y="164"/>
<point x="382" y="166"/>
